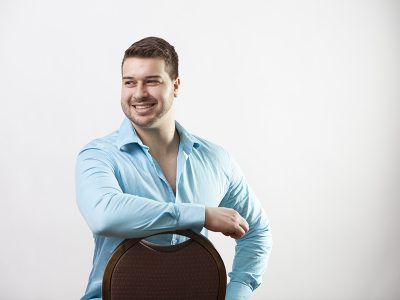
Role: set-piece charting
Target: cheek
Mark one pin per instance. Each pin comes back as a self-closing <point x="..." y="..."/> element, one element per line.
<point x="125" y="96"/>
<point x="163" y="94"/>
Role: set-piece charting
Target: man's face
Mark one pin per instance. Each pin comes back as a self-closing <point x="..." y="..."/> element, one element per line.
<point x="147" y="92"/>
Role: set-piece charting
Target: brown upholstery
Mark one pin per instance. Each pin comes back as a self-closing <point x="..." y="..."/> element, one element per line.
<point x="141" y="270"/>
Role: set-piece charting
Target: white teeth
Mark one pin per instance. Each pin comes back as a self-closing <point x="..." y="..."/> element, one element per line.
<point x="143" y="106"/>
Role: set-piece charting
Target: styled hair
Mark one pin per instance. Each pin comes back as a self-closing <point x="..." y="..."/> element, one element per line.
<point x="155" y="47"/>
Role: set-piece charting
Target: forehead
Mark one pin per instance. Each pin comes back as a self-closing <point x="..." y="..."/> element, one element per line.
<point x="141" y="67"/>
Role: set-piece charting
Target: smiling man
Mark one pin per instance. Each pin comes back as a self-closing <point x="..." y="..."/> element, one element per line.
<point x="151" y="175"/>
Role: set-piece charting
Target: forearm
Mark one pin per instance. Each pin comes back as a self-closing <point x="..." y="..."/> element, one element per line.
<point x="129" y="216"/>
<point x="253" y="249"/>
<point x="251" y="258"/>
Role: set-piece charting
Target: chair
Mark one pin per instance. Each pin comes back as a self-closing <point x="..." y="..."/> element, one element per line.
<point x="138" y="269"/>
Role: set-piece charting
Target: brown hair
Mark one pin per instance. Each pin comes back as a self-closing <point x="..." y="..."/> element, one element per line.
<point x="155" y="47"/>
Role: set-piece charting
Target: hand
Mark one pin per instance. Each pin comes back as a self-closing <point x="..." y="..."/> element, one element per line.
<point x="226" y="220"/>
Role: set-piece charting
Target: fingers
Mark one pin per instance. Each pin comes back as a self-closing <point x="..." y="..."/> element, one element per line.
<point x="244" y="225"/>
<point x="239" y="227"/>
<point x="236" y="235"/>
<point x="227" y="221"/>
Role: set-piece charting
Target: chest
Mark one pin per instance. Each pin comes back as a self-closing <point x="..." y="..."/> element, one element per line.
<point x="168" y="168"/>
<point x="179" y="180"/>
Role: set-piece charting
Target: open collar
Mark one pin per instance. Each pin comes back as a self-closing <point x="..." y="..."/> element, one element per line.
<point x="127" y="135"/>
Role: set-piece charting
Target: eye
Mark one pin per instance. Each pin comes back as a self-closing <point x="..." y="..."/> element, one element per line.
<point x="153" y="82"/>
<point x="129" y="83"/>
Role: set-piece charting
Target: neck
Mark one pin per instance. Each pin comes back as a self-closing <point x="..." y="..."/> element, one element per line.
<point x="161" y="141"/>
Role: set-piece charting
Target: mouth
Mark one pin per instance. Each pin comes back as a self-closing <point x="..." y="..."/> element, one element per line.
<point x="143" y="108"/>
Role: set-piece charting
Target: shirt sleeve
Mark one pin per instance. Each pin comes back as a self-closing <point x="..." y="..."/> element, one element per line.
<point x="110" y="212"/>
<point x="253" y="249"/>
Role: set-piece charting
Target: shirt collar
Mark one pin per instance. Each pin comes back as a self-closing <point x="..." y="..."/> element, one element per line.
<point x="127" y="135"/>
<point x="187" y="140"/>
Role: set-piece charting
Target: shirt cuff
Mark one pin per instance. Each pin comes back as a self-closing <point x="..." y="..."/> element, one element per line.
<point x="191" y="216"/>
<point x="238" y="291"/>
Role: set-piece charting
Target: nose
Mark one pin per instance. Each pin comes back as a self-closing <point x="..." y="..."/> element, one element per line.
<point x="140" y="90"/>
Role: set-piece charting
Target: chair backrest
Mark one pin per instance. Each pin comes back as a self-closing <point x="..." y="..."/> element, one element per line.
<point x="138" y="269"/>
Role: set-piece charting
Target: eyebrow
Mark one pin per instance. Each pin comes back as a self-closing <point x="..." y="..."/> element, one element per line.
<point x="147" y="77"/>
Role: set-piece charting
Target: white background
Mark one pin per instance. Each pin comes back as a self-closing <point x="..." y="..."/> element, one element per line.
<point x="304" y="94"/>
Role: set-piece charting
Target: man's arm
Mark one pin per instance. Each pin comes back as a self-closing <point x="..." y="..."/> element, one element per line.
<point x="253" y="249"/>
<point x="110" y="212"/>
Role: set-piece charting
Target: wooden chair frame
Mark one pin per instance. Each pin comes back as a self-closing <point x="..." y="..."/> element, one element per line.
<point x="128" y="243"/>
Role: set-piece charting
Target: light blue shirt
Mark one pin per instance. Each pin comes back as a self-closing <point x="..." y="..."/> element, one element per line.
<point x="123" y="193"/>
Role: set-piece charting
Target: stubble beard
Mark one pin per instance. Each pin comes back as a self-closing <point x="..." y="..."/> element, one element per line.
<point x="146" y="122"/>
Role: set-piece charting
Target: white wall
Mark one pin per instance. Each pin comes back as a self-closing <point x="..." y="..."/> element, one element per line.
<point x="305" y="94"/>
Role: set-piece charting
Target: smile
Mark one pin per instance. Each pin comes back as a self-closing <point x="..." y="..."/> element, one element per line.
<point x="143" y="108"/>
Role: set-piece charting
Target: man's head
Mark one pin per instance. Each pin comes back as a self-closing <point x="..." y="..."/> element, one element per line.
<point x="154" y="47"/>
<point x="150" y="83"/>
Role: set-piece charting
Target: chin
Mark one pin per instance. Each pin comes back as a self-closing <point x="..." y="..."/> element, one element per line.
<point x="148" y="124"/>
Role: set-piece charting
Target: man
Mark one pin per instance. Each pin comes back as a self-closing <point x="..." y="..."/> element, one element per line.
<point x="152" y="175"/>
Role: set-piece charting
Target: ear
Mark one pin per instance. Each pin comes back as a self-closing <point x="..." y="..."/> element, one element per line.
<point x="177" y="83"/>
